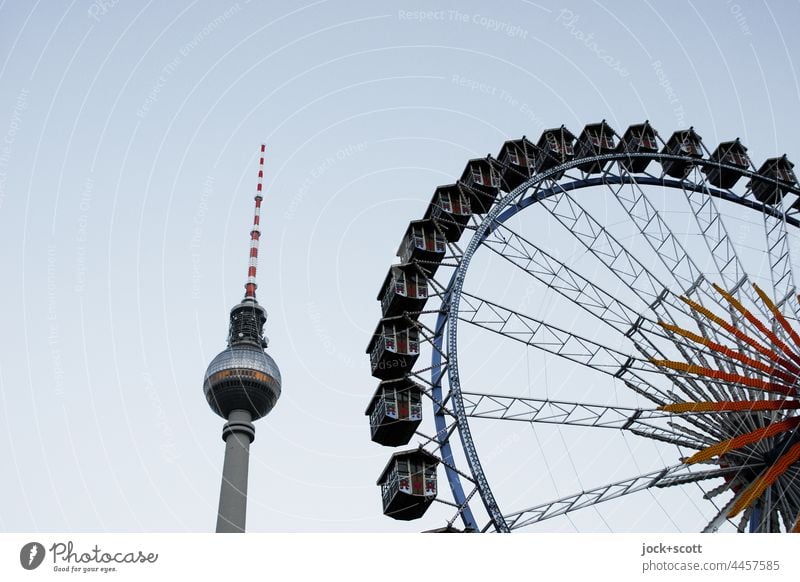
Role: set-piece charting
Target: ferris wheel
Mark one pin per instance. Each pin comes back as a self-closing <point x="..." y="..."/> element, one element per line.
<point x="597" y="331"/>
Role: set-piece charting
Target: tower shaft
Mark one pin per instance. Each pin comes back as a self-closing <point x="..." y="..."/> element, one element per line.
<point x="237" y="433"/>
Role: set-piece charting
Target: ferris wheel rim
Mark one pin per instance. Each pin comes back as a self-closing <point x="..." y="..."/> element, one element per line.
<point x="503" y="210"/>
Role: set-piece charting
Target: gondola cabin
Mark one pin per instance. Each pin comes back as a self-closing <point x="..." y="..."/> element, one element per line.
<point x="687" y="143"/>
<point x="638" y="139"/>
<point x="481" y="182"/>
<point x="404" y="289"/>
<point x="555" y="147"/>
<point x="450" y="208"/>
<point x="423" y="243"/>
<point x="731" y="153"/>
<point x="408" y="484"/>
<point x="394" y="348"/>
<point x="776" y="170"/>
<point x="395" y="412"/>
<point x="517" y="160"/>
<point x="595" y="139"/>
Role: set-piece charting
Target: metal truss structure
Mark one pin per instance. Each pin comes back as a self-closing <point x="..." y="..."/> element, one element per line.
<point x="711" y="359"/>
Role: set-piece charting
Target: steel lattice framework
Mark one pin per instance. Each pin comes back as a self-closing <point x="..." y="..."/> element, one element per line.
<point x="715" y="358"/>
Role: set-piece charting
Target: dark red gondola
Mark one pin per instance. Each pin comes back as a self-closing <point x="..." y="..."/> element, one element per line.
<point x="481" y="182"/>
<point x="408" y="484"/>
<point x="450" y="208"/>
<point x="780" y="177"/>
<point x="732" y="153"/>
<point x="555" y="147"/>
<point x="638" y="139"/>
<point x="395" y="412"/>
<point x="595" y="139"/>
<point x="685" y="142"/>
<point x="405" y="289"/>
<point x="394" y="348"/>
<point x="424" y="243"/>
<point x="517" y="160"/>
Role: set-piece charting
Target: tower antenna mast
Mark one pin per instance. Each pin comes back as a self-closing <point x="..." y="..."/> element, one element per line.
<point x="255" y="234"/>
<point x="242" y="384"/>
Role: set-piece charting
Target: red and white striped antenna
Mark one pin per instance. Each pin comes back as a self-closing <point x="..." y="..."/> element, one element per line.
<point x="255" y="234"/>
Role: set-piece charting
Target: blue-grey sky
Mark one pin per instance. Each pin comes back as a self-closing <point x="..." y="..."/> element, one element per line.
<point x="129" y="133"/>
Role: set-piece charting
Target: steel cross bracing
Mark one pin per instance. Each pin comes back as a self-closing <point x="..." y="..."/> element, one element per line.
<point x="453" y="296"/>
<point x="583" y="499"/>
<point x="678" y="262"/>
<point x="596" y="238"/>
<point x="726" y="260"/>
<point x="668" y="249"/>
<point x="545" y="410"/>
<point x="552" y="339"/>
<point x="508" y="322"/>
<point x="780" y="263"/>
<point x="634" y="420"/>
<point x="598" y="302"/>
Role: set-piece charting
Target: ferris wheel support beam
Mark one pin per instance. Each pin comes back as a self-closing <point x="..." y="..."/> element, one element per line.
<point x="442" y="430"/>
<point x="780" y="263"/>
<point x="564" y="505"/>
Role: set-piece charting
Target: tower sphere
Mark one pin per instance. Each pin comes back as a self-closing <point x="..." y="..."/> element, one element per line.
<point x="242" y="377"/>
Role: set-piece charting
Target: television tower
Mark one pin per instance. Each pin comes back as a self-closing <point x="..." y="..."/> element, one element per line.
<point x="242" y="384"/>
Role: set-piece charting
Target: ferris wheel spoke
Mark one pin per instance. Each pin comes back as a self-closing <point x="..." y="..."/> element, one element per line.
<point x="580" y="223"/>
<point x="604" y="306"/>
<point x="666" y="246"/>
<point x="780" y="262"/>
<point x="710" y="222"/>
<point x="597" y="240"/>
<point x="634" y="420"/>
<point x="722" y="516"/>
<point x="617" y="259"/>
<point x="556" y="275"/>
<point x="490" y="406"/>
<point x="732" y="273"/>
<point x="668" y="435"/>
<point x="539" y="334"/>
<point x="698" y="476"/>
<point x="584" y="499"/>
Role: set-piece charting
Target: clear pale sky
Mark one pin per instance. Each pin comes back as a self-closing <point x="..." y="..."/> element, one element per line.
<point x="129" y="134"/>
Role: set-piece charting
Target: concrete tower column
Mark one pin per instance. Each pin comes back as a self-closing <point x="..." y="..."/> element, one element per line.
<point x="237" y="433"/>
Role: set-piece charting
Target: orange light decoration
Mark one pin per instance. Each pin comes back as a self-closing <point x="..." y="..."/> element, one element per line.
<point x="775" y="373"/>
<point x="764" y="351"/>
<point x="743" y="440"/>
<point x="727" y="406"/>
<point x="755" y="321"/>
<point x="729" y="377"/>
